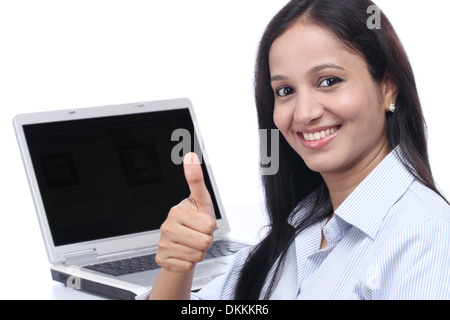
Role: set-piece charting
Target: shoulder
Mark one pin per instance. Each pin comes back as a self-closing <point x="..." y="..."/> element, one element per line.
<point x="419" y="205"/>
<point x="413" y="246"/>
<point x="421" y="218"/>
<point x="428" y="201"/>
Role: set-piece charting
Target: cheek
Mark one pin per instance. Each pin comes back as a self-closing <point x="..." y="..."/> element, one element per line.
<point x="348" y="106"/>
<point x="281" y="118"/>
<point x="358" y="105"/>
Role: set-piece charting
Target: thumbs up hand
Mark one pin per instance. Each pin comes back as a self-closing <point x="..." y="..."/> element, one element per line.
<point x="187" y="232"/>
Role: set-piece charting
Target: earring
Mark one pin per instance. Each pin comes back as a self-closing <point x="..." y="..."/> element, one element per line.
<point x="392" y="107"/>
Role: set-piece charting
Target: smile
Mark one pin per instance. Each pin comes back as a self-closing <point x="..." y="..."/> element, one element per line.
<point x="316" y="136"/>
<point x="319" y="138"/>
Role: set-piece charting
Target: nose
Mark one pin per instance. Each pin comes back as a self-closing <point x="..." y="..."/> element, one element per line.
<point x="307" y="109"/>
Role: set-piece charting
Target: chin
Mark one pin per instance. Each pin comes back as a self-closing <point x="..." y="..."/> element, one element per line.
<point x="320" y="168"/>
<point x="321" y="163"/>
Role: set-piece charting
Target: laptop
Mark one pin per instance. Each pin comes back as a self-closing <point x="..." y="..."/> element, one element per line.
<point x="103" y="180"/>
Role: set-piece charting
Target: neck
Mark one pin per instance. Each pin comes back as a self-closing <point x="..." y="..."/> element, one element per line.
<point x="342" y="183"/>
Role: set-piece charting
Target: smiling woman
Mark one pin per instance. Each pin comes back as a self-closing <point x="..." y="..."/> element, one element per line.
<point x="328" y="83"/>
<point x="354" y="210"/>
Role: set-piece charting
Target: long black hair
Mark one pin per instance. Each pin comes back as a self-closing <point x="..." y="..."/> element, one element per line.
<point x="294" y="181"/>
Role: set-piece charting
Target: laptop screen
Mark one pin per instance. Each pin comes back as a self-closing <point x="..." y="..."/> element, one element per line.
<point x="110" y="176"/>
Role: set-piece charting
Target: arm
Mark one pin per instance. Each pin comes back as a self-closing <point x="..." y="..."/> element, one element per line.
<point x="172" y="286"/>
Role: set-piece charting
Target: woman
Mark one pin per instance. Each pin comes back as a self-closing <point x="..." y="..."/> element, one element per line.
<point x="354" y="211"/>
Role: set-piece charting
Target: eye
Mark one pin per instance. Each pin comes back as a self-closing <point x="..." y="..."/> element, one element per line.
<point x="329" y="82"/>
<point x="284" y="91"/>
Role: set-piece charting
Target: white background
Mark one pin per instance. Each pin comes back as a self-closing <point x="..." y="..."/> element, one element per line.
<point x="75" y="54"/>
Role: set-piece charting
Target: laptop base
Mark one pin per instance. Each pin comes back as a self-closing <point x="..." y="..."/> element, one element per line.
<point x="93" y="287"/>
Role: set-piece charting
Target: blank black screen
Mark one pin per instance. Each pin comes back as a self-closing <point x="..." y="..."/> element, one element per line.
<point x="109" y="176"/>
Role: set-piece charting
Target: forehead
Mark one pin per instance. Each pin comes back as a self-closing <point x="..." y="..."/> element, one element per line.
<point x="306" y="45"/>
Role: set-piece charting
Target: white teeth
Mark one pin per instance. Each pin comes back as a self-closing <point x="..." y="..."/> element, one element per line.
<point x="318" y="135"/>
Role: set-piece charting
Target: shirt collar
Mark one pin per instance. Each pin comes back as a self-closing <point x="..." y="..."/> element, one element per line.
<point x="366" y="207"/>
<point x="368" y="204"/>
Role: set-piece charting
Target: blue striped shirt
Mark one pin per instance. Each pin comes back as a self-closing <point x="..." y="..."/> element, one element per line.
<point x="389" y="239"/>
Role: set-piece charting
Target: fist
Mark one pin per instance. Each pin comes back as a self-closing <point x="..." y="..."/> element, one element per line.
<point x="188" y="230"/>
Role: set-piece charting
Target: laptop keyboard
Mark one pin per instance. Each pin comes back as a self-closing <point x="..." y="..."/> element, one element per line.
<point x="218" y="249"/>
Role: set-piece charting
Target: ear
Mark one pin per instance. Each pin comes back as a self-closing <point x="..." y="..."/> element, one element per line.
<point x="389" y="91"/>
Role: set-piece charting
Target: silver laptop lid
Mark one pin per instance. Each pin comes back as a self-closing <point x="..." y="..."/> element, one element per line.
<point x="104" y="178"/>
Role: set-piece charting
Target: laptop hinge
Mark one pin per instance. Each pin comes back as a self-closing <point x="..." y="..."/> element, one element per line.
<point x="80" y="257"/>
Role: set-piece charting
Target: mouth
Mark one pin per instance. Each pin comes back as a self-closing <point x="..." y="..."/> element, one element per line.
<point x="320" y="134"/>
<point x="320" y="137"/>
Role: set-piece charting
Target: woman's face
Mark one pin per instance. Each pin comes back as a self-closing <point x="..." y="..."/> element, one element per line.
<point x="327" y="105"/>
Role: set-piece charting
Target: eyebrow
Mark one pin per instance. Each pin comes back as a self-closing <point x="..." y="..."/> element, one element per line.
<point x="325" y="66"/>
<point x="311" y="71"/>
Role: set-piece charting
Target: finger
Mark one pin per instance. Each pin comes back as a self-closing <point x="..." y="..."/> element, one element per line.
<point x="181" y="252"/>
<point x="175" y="265"/>
<point x="187" y="214"/>
<point x="182" y="234"/>
<point x="194" y="177"/>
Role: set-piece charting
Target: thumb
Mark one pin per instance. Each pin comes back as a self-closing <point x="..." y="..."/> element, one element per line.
<point x="194" y="177"/>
